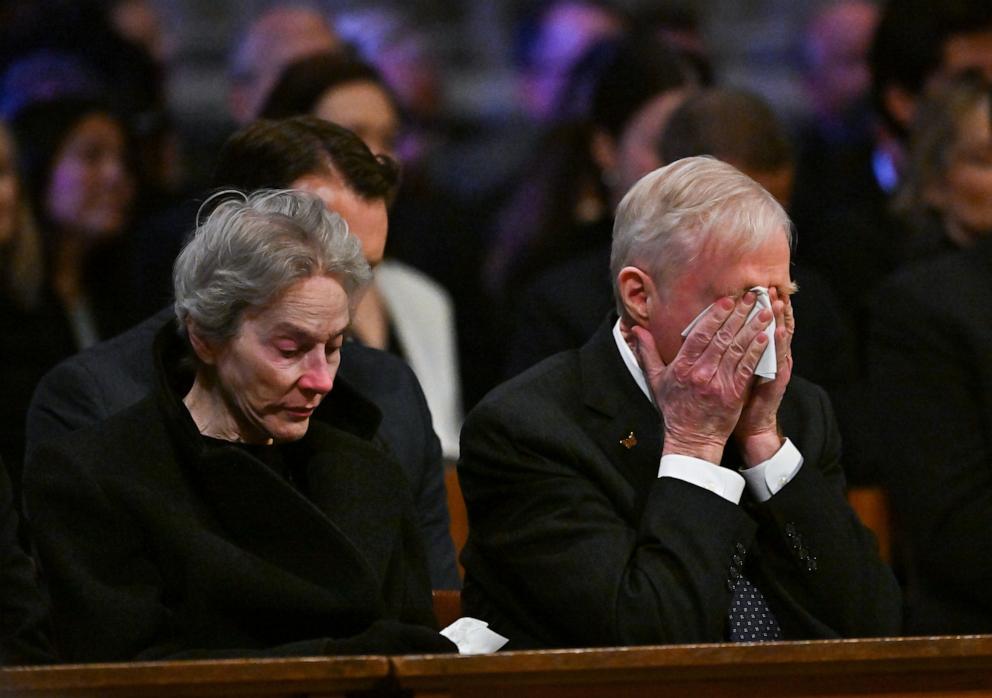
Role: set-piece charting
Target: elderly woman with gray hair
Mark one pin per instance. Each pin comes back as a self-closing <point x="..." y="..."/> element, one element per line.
<point x="228" y="514"/>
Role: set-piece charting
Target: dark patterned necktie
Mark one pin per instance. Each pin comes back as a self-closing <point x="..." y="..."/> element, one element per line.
<point x="750" y="618"/>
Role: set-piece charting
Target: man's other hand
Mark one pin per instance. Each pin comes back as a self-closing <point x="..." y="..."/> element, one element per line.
<point x="757" y="432"/>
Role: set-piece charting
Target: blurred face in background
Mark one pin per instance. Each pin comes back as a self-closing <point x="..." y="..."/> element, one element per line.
<point x="367" y="219"/>
<point x="963" y="194"/>
<point x="90" y="188"/>
<point x="8" y="189"/>
<point x="367" y="110"/>
<point x="567" y="30"/>
<point x="634" y="153"/>
<point x="837" y="46"/>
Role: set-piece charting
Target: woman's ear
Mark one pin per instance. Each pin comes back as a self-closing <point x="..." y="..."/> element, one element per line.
<point x="635" y="287"/>
<point x="203" y="348"/>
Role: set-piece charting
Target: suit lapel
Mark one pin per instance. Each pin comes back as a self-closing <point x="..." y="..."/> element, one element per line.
<point x="620" y="417"/>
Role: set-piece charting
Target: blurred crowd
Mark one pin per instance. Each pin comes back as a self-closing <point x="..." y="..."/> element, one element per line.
<point x="498" y="244"/>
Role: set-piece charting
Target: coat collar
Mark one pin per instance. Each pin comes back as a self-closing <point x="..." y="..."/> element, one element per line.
<point x="266" y="515"/>
<point x="620" y="416"/>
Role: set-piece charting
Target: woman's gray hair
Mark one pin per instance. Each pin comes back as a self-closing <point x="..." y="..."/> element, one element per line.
<point x="667" y="219"/>
<point x="252" y="248"/>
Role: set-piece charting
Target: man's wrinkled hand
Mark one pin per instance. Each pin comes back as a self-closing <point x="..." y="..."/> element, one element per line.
<point x="757" y="433"/>
<point x="702" y="393"/>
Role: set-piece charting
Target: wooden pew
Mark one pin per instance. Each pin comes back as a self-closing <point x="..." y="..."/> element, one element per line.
<point x="871" y="504"/>
<point x="275" y="678"/>
<point x="954" y="666"/>
<point x="458" y="526"/>
<point x="923" y="667"/>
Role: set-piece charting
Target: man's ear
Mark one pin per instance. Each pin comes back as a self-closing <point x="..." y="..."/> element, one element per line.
<point x="203" y="348"/>
<point x="635" y="287"/>
<point x="603" y="150"/>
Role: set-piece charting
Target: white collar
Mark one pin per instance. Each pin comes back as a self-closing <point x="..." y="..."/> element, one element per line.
<point x="630" y="361"/>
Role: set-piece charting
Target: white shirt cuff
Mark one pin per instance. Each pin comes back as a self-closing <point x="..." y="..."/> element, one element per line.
<point x="767" y="478"/>
<point x="721" y="481"/>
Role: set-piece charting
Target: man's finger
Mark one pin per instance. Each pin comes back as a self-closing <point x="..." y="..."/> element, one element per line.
<point x="727" y="339"/>
<point x="702" y="334"/>
<point x="749" y="362"/>
<point x="647" y="352"/>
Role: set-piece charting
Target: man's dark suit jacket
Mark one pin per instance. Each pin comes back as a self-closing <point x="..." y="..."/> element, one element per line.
<point x="155" y="544"/>
<point x="575" y="541"/>
<point x="930" y="356"/>
<point x="105" y="379"/>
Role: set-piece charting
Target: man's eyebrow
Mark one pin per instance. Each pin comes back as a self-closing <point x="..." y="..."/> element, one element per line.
<point x="786" y="290"/>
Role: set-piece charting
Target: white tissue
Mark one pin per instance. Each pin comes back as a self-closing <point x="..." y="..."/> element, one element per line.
<point x="473" y="636"/>
<point x="767" y="364"/>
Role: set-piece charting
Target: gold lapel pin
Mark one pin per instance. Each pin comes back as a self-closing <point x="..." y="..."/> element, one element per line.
<point x="629" y="441"/>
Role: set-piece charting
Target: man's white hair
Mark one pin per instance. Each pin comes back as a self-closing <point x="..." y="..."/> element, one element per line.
<point x="670" y="216"/>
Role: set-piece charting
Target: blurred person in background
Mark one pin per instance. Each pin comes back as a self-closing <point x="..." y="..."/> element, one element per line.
<point x="553" y="43"/>
<point x="930" y="363"/>
<point x="842" y="201"/>
<point x="404" y="311"/>
<point x="560" y="289"/>
<point x="81" y="51"/>
<point x="280" y="35"/>
<point x="27" y="351"/>
<point x="76" y="164"/>
<point x="405" y="56"/>
<point x="945" y="200"/>
<point x="68" y="283"/>
<point x="836" y="73"/>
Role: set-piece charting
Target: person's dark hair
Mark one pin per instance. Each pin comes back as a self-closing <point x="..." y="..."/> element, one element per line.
<point x="908" y="46"/>
<point x="302" y="83"/>
<point x="272" y="154"/>
<point x="729" y="124"/>
<point x="635" y="71"/>
<point x="40" y="130"/>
